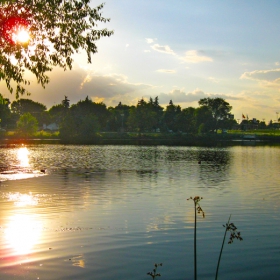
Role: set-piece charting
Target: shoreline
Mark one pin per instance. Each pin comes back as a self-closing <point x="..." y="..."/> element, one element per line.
<point x="154" y="140"/>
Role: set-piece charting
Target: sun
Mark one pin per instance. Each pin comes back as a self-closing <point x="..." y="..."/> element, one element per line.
<point x="21" y="36"/>
<point x="15" y="30"/>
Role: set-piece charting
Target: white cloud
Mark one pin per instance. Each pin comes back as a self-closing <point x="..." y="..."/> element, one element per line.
<point x="163" y="49"/>
<point x="149" y="40"/>
<point x="257" y="75"/>
<point x="87" y="79"/>
<point x="79" y="83"/>
<point x="214" y="80"/>
<point x="110" y="86"/>
<point x="180" y="96"/>
<point x="267" y="78"/>
<point x="193" y="56"/>
<point x="168" y="71"/>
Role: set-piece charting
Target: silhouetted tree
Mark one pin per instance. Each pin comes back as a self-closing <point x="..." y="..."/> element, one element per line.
<point x="87" y="106"/>
<point x="5" y="112"/>
<point x="22" y="106"/>
<point x="58" y="112"/>
<point x="117" y="118"/>
<point x="65" y="102"/>
<point x="158" y="110"/>
<point x="142" y="118"/>
<point x="204" y="120"/>
<point x="186" y="121"/>
<point x="219" y="108"/>
<point x="83" y="120"/>
<point x="79" y="127"/>
<point x="170" y="114"/>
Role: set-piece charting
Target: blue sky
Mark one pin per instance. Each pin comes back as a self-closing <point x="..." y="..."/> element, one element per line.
<point x="180" y="50"/>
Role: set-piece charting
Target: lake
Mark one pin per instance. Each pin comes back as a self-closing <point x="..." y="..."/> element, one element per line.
<point x="111" y="212"/>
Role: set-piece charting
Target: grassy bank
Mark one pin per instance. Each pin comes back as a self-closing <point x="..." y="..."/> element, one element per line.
<point x="133" y="138"/>
<point x="12" y="137"/>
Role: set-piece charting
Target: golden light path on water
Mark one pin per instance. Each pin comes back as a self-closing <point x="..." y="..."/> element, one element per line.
<point x="22" y="155"/>
<point x="23" y="230"/>
<point x="22" y="233"/>
<point x="22" y="200"/>
<point x="21" y="168"/>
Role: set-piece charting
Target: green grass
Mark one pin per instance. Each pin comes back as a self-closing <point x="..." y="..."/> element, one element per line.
<point x="46" y="134"/>
<point x="257" y="132"/>
<point x="13" y="134"/>
<point x="267" y="135"/>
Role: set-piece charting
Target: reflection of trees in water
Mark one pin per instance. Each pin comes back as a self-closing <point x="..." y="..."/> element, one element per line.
<point x="218" y="157"/>
<point x="83" y="186"/>
<point x="214" y="166"/>
<point x="77" y="179"/>
<point x="146" y="156"/>
<point x="175" y="154"/>
<point x="149" y="176"/>
<point x="213" y="169"/>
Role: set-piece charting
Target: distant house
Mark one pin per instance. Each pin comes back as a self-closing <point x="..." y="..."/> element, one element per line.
<point x="51" y="127"/>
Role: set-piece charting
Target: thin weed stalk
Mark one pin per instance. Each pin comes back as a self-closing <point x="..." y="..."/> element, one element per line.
<point x="198" y="209"/>
<point x="228" y="227"/>
<point x="221" y="251"/>
<point x="194" y="249"/>
<point x="233" y="235"/>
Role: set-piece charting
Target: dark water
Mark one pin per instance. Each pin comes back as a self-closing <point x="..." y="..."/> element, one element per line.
<point x="111" y="212"/>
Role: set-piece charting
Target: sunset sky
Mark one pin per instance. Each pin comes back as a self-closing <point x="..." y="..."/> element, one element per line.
<point x="180" y="50"/>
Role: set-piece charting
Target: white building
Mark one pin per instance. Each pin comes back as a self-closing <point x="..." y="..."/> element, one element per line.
<point x="51" y="127"/>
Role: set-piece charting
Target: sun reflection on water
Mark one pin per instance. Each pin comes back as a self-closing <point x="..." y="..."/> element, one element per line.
<point x="22" y="155"/>
<point x="78" y="261"/>
<point x="19" y="166"/>
<point x="22" y="200"/>
<point x="22" y="233"/>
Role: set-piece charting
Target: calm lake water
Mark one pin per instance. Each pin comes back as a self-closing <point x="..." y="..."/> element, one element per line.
<point x="111" y="212"/>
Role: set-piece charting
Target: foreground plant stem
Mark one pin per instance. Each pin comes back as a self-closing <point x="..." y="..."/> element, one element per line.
<point x="221" y="251"/>
<point x="232" y="228"/>
<point x="199" y="210"/>
<point x="195" y="257"/>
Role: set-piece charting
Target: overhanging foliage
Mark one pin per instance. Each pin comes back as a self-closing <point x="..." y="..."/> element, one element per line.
<point x="58" y="29"/>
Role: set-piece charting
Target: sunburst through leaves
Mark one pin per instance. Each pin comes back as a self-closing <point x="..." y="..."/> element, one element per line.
<point x="15" y="30"/>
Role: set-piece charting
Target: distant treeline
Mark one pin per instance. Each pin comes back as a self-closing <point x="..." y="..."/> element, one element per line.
<point x="86" y="118"/>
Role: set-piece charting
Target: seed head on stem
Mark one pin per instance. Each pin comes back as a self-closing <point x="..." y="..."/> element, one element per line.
<point x="198" y="208"/>
<point x="154" y="273"/>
